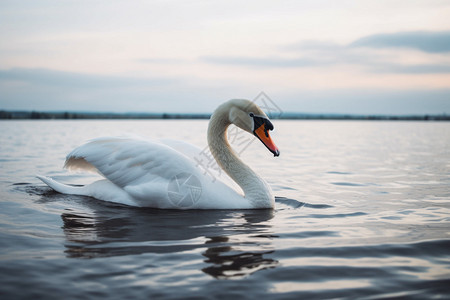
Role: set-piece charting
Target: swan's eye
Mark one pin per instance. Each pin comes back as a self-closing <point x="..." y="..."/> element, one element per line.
<point x="251" y="115"/>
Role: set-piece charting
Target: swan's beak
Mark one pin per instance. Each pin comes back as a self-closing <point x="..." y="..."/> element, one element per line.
<point x="262" y="133"/>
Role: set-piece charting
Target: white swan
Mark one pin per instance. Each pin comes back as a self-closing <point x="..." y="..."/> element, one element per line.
<point x="163" y="174"/>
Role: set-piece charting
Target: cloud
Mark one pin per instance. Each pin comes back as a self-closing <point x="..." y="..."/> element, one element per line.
<point x="327" y="54"/>
<point x="161" y="60"/>
<point x="410" y="69"/>
<point x="50" y="90"/>
<point x="271" y="62"/>
<point x="48" y="77"/>
<point x="430" y="42"/>
<point x="312" y="54"/>
<point x="368" y="101"/>
<point x="45" y="89"/>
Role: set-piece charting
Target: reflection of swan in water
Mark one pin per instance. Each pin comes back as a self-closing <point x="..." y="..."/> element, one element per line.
<point x="159" y="174"/>
<point x="114" y="231"/>
<point x="229" y="264"/>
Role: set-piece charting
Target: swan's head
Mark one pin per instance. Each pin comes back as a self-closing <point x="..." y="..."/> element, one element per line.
<point x="249" y="117"/>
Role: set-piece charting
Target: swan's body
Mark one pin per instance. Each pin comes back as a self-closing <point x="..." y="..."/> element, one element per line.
<point x="166" y="174"/>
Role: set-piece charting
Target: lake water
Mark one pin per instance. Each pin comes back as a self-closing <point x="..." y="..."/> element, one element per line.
<point x="362" y="211"/>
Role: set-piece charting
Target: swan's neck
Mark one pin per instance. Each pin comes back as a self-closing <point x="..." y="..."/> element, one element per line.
<point x="256" y="190"/>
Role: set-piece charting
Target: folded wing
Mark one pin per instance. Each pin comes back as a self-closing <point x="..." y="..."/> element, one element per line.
<point x="128" y="161"/>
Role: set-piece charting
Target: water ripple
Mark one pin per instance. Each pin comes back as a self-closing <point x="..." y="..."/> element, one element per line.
<point x="330" y="216"/>
<point x="426" y="249"/>
<point x="348" y="184"/>
<point x="365" y="215"/>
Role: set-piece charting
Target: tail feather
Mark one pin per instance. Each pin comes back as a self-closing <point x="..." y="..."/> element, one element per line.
<point x="63" y="188"/>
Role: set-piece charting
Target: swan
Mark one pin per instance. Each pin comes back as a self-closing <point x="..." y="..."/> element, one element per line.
<point x="164" y="174"/>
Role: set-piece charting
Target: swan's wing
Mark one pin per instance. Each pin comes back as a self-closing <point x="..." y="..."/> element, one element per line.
<point x="203" y="160"/>
<point x="128" y="161"/>
<point x="187" y="149"/>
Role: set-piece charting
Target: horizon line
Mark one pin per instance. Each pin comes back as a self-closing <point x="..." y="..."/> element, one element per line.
<point x="88" y="115"/>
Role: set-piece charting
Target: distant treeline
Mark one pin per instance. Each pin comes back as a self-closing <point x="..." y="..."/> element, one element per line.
<point x="36" y="115"/>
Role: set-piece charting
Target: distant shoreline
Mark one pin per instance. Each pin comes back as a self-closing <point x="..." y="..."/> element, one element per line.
<point x="37" y="115"/>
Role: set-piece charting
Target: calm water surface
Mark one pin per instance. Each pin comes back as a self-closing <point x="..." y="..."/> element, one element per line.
<point x="362" y="211"/>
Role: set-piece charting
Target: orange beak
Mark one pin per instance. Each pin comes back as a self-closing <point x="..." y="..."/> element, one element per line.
<point x="262" y="133"/>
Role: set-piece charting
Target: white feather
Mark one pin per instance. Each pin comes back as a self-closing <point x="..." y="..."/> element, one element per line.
<point x="153" y="173"/>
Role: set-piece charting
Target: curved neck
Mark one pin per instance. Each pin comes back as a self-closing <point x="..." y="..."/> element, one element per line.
<point x="255" y="189"/>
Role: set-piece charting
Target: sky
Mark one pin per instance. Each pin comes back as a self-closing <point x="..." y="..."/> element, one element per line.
<point x="320" y="56"/>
